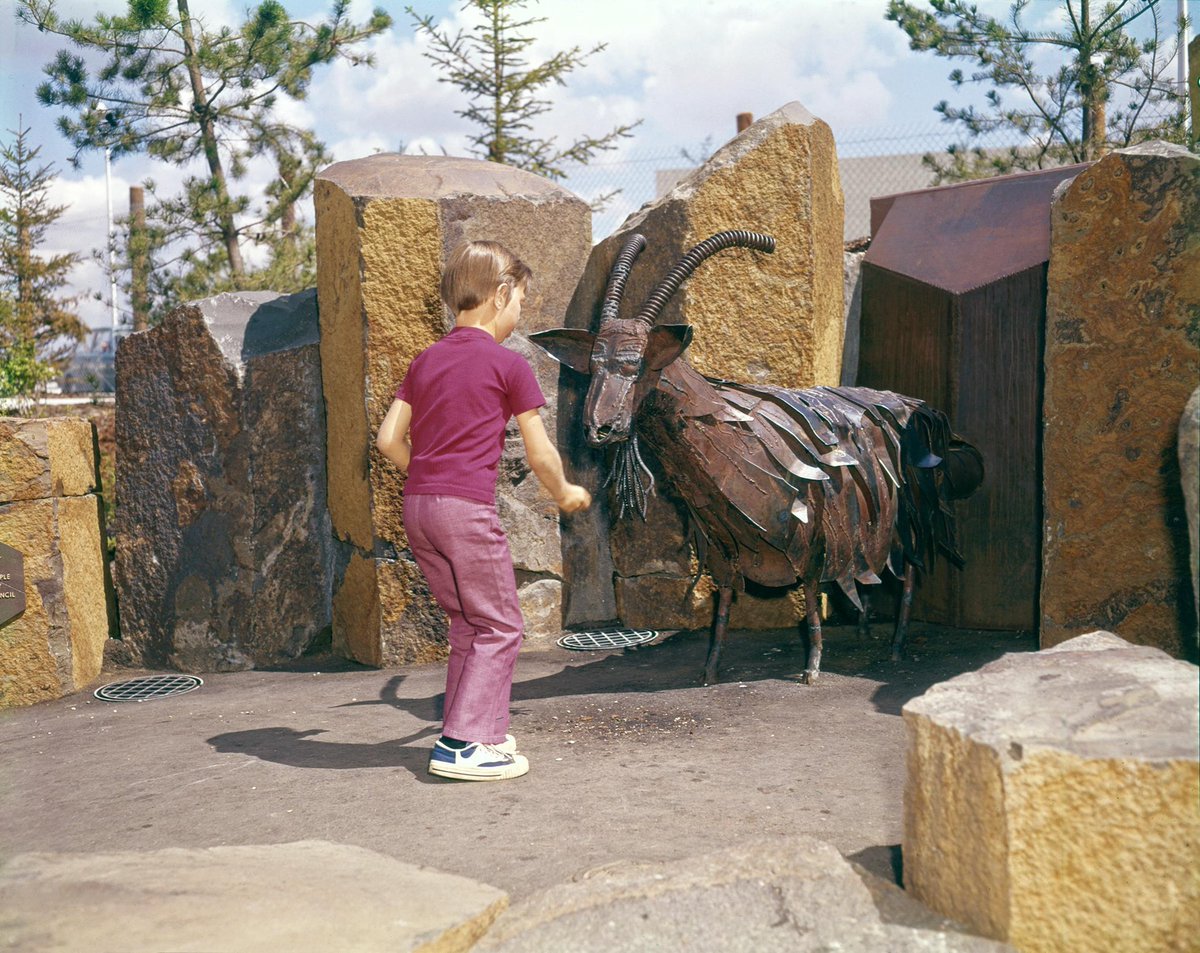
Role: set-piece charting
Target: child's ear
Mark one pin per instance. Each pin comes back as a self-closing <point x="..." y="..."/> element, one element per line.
<point x="569" y="346"/>
<point x="667" y="342"/>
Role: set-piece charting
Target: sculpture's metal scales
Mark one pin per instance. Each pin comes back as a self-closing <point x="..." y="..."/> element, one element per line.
<point x="825" y="484"/>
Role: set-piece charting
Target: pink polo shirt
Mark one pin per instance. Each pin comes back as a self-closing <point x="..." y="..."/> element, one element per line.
<point x="463" y="390"/>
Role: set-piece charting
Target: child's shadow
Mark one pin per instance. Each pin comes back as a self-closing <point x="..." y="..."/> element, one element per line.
<point x="300" y="749"/>
<point x="628" y="671"/>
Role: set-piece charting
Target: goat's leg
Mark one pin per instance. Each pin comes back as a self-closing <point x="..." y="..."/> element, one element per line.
<point x="812" y="606"/>
<point x="864" y="614"/>
<point x="717" y="641"/>
<point x="910" y="577"/>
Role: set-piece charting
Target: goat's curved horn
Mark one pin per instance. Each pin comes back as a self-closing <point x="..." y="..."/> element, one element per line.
<point x="619" y="274"/>
<point x="691" y="261"/>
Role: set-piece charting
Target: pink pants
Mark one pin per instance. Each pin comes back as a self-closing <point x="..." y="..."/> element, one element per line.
<point x="463" y="552"/>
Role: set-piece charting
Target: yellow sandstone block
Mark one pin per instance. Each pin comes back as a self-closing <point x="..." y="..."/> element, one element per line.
<point x="45" y="457"/>
<point x="57" y="645"/>
<point x="1053" y="799"/>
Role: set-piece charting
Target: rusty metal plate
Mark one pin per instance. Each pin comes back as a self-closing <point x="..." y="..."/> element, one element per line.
<point x="961" y="237"/>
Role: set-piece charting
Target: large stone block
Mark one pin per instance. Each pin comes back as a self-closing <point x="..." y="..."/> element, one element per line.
<point x="1189" y="478"/>
<point x="385" y="225"/>
<point x="1122" y="358"/>
<point x="56" y="646"/>
<point x="225" y="558"/>
<point x="772" y="319"/>
<point x="1053" y="799"/>
<point x="305" y="897"/>
<point x="773" y="895"/>
<point x="43" y="457"/>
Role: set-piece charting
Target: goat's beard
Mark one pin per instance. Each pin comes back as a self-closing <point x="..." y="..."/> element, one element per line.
<point x="626" y="474"/>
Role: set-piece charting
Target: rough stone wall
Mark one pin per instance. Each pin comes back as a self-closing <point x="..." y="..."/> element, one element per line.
<point x="385" y="226"/>
<point x="224" y="552"/>
<point x="1052" y="799"/>
<point x="773" y="319"/>
<point x="852" y="284"/>
<point x="1189" y="479"/>
<point x="51" y="513"/>
<point x="1122" y="358"/>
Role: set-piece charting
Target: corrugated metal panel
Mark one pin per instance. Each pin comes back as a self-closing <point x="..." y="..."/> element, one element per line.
<point x="961" y="237"/>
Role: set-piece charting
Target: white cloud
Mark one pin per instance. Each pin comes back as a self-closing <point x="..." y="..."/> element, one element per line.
<point x="686" y="67"/>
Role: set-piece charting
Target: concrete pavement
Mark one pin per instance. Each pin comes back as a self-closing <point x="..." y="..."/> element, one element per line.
<point x="632" y="761"/>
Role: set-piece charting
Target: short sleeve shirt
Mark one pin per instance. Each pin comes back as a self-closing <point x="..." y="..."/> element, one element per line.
<point x="462" y="391"/>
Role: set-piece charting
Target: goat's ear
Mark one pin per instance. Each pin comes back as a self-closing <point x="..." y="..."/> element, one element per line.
<point x="667" y="342"/>
<point x="569" y="346"/>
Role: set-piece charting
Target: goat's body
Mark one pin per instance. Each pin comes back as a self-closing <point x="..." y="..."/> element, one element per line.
<point x="793" y="485"/>
<point x="786" y="487"/>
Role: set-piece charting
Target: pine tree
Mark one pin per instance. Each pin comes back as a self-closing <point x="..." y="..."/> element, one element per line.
<point x="506" y="94"/>
<point x="180" y="92"/>
<point x="1109" y="89"/>
<point x="39" y="328"/>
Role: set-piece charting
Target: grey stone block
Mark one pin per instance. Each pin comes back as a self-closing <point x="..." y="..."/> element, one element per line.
<point x="791" y="894"/>
<point x="225" y="556"/>
<point x="235" y="899"/>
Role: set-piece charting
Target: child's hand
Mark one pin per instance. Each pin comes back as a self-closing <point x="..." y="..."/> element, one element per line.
<point x="574" y="498"/>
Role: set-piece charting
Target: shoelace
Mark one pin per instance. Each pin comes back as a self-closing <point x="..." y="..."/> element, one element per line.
<point x="496" y="752"/>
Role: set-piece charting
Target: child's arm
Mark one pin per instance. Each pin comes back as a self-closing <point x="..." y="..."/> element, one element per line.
<point x="392" y="439"/>
<point x="547" y="464"/>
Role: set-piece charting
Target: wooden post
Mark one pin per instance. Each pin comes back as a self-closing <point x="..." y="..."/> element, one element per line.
<point x="139" y="259"/>
<point x="744" y="120"/>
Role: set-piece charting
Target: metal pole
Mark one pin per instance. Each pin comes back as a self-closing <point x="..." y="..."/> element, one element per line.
<point x="112" y="263"/>
<point x="1181" y="70"/>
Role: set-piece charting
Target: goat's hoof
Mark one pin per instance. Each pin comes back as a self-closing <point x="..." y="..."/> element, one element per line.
<point x="897" y="655"/>
<point x="809" y="676"/>
<point x="706" y="679"/>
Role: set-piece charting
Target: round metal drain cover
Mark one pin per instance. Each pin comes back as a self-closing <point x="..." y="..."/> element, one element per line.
<point x="147" y="687"/>
<point x="612" y="639"/>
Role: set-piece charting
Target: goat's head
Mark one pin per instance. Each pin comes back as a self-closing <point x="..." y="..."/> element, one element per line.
<point x="626" y="357"/>
<point x="624" y="360"/>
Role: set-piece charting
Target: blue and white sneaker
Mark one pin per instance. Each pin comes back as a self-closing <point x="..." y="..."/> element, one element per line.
<point x="476" y="762"/>
<point x="508" y="745"/>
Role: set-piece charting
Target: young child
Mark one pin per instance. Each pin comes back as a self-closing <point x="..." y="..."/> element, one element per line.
<point x="446" y="430"/>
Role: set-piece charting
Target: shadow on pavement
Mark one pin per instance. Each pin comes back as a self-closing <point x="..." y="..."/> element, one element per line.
<point x="672" y="663"/>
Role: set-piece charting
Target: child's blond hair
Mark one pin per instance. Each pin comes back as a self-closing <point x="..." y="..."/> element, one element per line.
<point x="474" y="272"/>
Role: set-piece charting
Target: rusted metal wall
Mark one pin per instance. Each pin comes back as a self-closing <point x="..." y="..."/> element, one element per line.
<point x="977" y="356"/>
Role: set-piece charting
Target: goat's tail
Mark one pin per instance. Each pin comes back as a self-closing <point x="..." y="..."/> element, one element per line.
<point x="939" y="467"/>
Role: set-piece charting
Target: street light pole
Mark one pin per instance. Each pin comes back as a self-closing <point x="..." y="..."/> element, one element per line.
<point x="1181" y="64"/>
<point x="112" y="264"/>
<point x="1181" y="67"/>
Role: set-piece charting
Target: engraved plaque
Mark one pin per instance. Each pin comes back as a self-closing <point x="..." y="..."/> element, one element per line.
<point x="12" y="584"/>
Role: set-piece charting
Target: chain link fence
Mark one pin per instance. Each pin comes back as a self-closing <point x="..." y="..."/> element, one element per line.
<point x="872" y="161"/>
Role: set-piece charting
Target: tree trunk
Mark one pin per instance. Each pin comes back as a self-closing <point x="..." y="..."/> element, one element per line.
<point x="1094" y="135"/>
<point x="496" y="150"/>
<point x="208" y="137"/>
<point x="139" y="264"/>
<point x="25" y="305"/>
<point x="288" y="167"/>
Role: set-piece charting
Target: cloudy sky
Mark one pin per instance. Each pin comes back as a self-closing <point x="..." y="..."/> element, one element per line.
<point x="685" y="68"/>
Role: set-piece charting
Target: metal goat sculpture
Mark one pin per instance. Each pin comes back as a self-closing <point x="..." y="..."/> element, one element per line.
<point x="825" y="484"/>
